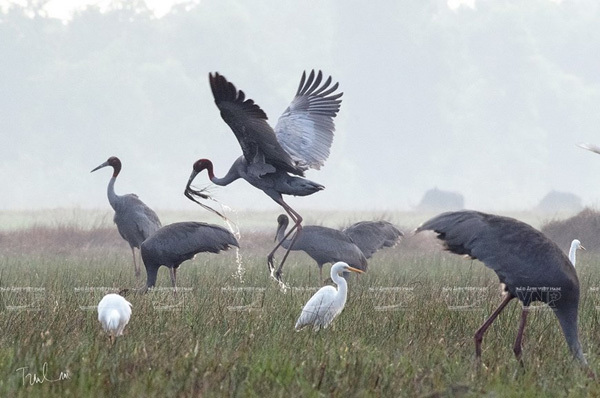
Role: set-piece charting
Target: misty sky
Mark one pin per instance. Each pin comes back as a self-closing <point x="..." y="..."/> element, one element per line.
<point x="488" y="100"/>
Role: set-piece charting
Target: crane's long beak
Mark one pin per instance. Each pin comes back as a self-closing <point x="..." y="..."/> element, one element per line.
<point x="189" y="193"/>
<point x="101" y="166"/>
<point x="360" y="271"/>
<point x="279" y="228"/>
<point x="192" y="176"/>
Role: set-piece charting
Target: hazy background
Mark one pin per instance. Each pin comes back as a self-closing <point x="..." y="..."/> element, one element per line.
<point x="487" y="99"/>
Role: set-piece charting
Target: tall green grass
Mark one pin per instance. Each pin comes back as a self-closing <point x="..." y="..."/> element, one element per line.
<point x="215" y="339"/>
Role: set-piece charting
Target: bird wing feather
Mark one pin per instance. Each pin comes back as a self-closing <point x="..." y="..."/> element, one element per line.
<point x="305" y="129"/>
<point x="248" y="122"/>
<point x="590" y="147"/>
<point x="180" y="241"/>
<point x="371" y="236"/>
<point x="135" y="221"/>
<point x="318" y="310"/>
<point x="518" y="253"/>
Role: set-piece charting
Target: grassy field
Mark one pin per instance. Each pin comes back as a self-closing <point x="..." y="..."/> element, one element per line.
<point x="405" y="330"/>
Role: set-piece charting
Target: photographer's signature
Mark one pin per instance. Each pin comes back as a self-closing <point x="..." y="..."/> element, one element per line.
<point x="34" y="378"/>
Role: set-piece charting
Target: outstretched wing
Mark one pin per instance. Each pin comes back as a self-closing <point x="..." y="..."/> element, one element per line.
<point x="305" y="129"/>
<point x="371" y="236"/>
<point x="518" y="253"/>
<point x="590" y="147"/>
<point x="248" y="122"/>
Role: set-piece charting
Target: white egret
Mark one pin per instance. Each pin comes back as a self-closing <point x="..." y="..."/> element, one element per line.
<point x="575" y="245"/>
<point x="114" y="313"/>
<point x="327" y="302"/>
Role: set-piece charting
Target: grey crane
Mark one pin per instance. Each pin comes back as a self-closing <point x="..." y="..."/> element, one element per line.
<point x="353" y="245"/>
<point x="301" y="140"/>
<point x="135" y="221"/>
<point x="175" y="243"/>
<point x="531" y="267"/>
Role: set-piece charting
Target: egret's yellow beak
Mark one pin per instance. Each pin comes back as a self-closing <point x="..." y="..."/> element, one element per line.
<point x="355" y="270"/>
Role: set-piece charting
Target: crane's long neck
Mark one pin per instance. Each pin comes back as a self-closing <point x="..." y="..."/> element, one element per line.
<point x="342" y="287"/>
<point x="110" y="191"/>
<point x="232" y="175"/>
<point x="573" y="253"/>
<point x="568" y="323"/>
<point x="281" y="235"/>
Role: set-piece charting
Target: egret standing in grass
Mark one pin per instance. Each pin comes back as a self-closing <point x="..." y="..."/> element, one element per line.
<point x="575" y="245"/>
<point x="114" y="313"/>
<point x="327" y="302"/>
<point x="531" y="266"/>
<point x="135" y="221"/>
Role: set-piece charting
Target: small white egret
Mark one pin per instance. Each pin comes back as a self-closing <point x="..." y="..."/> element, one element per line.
<point x="114" y="313"/>
<point x="327" y="302"/>
<point x="575" y="245"/>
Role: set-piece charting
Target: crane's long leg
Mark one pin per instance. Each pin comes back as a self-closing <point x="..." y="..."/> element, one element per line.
<point x="517" y="349"/>
<point x="481" y="331"/>
<point x="135" y="266"/>
<point x="297" y="219"/>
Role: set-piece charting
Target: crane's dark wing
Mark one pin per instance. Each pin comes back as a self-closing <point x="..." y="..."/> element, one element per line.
<point x="305" y="129"/>
<point x="177" y="242"/>
<point x="590" y="147"/>
<point x="518" y="253"/>
<point x="248" y="122"/>
<point x="371" y="236"/>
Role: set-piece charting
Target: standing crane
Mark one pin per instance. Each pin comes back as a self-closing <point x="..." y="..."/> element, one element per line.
<point x="175" y="243"/>
<point x="135" y="221"/>
<point x="353" y="245"/>
<point x="274" y="160"/>
<point x="531" y="267"/>
<point x="328" y="302"/>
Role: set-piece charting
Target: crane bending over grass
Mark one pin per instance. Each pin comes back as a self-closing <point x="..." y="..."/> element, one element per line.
<point x="175" y="243"/>
<point x="328" y="302"/>
<point x="301" y="140"/>
<point x="114" y="313"/>
<point x="531" y="266"/>
<point x="352" y="245"/>
<point x="135" y="221"/>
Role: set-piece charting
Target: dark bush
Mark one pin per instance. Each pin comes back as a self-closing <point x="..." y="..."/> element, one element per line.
<point x="584" y="226"/>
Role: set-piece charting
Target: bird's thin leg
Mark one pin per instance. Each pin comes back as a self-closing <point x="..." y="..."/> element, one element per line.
<point x="297" y="219"/>
<point x="135" y="266"/>
<point x="517" y="349"/>
<point x="481" y="331"/>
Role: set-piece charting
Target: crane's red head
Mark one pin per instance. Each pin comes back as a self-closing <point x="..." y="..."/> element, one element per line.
<point x="112" y="161"/>
<point x="204" y="164"/>
<point x="190" y="193"/>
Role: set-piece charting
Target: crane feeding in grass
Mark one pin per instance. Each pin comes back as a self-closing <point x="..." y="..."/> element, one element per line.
<point x="175" y="243"/>
<point x="352" y="245"/>
<point x="328" y="302"/>
<point x="531" y="266"/>
<point x="135" y="221"/>
<point x="274" y="160"/>
<point x="114" y="313"/>
<point x="575" y="245"/>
